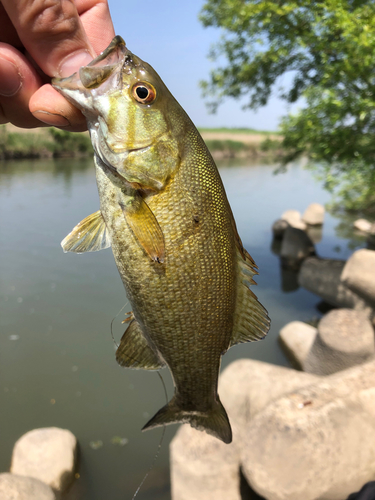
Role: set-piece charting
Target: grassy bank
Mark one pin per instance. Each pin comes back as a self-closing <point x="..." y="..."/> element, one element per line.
<point x="222" y="142"/>
<point x="42" y="143"/>
<point x="241" y="143"/>
<point x="236" y="130"/>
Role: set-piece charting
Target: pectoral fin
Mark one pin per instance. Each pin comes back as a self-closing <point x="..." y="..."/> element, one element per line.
<point x="135" y="352"/>
<point x="145" y="227"/>
<point x="89" y="235"/>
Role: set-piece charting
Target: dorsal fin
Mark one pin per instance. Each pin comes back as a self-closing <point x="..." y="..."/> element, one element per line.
<point x="251" y="321"/>
<point x="244" y="253"/>
<point x="134" y="350"/>
<point x="89" y="235"/>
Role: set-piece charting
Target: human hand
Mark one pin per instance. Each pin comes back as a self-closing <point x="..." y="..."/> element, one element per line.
<point x="41" y="39"/>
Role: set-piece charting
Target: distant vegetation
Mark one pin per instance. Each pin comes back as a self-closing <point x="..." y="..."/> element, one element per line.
<point x="66" y="143"/>
<point x="43" y="143"/>
<point x="13" y="145"/>
<point x="56" y="143"/>
<point x="218" y="145"/>
<point x="236" y="130"/>
<point x="241" y="142"/>
<point x="228" y="148"/>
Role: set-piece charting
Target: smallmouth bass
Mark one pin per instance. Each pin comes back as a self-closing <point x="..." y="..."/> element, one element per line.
<point x="164" y="211"/>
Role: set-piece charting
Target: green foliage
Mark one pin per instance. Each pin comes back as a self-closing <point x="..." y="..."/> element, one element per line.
<point x="225" y="145"/>
<point x="352" y="185"/>
<point x="236" y="130"/>
<point x="14" y="145"/>
<point x="329" y="48"/>
<point x="270" y="145"/>
<point x="43" y="143"/>
<point x="65" y="142"/>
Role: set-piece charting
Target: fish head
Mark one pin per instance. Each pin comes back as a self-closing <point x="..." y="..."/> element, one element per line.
<point x="130" y="115"/>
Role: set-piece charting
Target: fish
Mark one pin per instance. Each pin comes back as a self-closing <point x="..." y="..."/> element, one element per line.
<point x="165" y="214"/>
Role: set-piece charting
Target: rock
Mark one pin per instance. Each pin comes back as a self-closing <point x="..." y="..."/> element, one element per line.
<point x="293" y="218"/>
<point x="315" y="233"/>
<point x="371" y="242"/>
<point x="202" y="467"/>
<point x="362" y="225"/>
<point x="276" y="246"/>
<point x="323" y="277"/>
<point x="345" y="338"/>
<point x="247" y="386"/>
<point x="279" y="228"/>
<point x="297" y="339"/>
<point x="295" y="247"/>
<point x="366" y="493"/>
<point x="316" y="442"/>
<point x="371" y="238"/>
<point x="47" y="454"/>
<point x="359" y="274"/>
<point x="314" y="214"/>
<point x="14" y="487"/>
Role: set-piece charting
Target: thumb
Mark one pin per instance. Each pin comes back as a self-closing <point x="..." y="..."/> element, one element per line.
<point x="52" y="34"/>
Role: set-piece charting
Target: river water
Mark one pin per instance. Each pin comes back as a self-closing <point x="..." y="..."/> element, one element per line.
<point x="57" y="365"/>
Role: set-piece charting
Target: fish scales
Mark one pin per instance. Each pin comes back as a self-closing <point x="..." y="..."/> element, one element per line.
<point x="172" y="302"/>
<point x="164" y="210"/>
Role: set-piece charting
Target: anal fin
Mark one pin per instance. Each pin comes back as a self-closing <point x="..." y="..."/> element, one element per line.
<point x="89" y="235"/>
<point x="251" y="321"/>
<point x="135" y="352"/>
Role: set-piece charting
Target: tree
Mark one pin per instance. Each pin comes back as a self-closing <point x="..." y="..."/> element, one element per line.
<point x="329" y="46"/>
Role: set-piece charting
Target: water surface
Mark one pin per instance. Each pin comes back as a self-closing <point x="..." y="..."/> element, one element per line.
<point x="57" y="364"/>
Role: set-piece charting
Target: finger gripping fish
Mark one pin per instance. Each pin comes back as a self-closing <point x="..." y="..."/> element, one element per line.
<point x="164" y="211"/>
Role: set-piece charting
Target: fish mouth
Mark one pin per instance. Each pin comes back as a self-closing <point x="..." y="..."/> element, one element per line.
<point x="143" y="148"/>
<point x="97" y="71"/>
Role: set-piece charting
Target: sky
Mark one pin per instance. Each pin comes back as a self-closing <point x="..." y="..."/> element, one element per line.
<point x="168" y="35"/>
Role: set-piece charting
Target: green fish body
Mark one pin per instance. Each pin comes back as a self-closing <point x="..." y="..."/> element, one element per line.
<point x="164" y="211"/>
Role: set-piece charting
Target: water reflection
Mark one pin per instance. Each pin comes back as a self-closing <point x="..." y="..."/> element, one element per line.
<point x="289" y="279"/>
<point x="59" y="168"/>
<point x="344" y="230"/>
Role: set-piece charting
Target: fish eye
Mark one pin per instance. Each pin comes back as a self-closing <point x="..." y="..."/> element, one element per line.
<point x="144" y="92"/>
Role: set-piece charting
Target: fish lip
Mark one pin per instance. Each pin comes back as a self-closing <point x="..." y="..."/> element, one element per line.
<point x="116" y="43"/>
<point x="73" y="82"/>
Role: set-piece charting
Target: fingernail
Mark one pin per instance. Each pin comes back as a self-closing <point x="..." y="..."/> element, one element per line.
<point x="73" y="62"/>
<point x="10" y="81"/>
<point x="51" y="119"/>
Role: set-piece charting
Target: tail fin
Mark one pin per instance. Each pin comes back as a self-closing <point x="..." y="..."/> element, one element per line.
<point x="213" y="421"/>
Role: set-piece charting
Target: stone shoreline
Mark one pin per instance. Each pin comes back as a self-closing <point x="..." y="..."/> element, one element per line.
<point x="306" y="434"/>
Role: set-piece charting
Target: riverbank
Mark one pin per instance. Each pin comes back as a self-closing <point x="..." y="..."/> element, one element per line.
<point x="240" y="143"/>
<point x="17" y="143"/>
